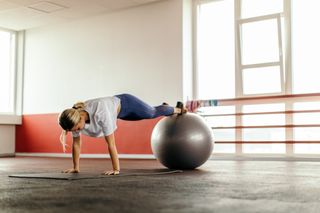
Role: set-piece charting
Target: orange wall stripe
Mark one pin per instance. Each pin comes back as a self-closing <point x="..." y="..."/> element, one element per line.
<point x="40" y="134"/>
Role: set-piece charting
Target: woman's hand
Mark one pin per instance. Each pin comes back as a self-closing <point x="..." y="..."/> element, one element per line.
<point x="112" y="172"/>
<point x="71" y="171"/>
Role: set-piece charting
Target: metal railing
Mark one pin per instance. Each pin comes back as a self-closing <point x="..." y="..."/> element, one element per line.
<point x="288" y="126"/>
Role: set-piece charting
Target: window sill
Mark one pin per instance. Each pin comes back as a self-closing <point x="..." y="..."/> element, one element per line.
<point x="10" y="119"/>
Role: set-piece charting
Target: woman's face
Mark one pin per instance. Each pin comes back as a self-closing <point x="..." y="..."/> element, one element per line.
<point x="79" y="125"/>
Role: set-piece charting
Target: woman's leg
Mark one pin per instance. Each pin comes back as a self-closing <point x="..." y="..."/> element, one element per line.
<point x="132" y="108"/>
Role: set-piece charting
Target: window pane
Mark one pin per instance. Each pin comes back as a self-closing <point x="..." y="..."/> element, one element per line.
<point x="260" y="42"/>
<point x="305" y="45"/>
<point x="263" y="108"/>
<point x="6" y="72"/>
<point x="224" y="148"/>
<point x="224" y="135"/>
<point x="264" y="134"/>
<point x="307" y="106"/>
<point x="307" y="148"/>
<point x="263" y="120"/>
<point x="264" y="148"/>
<point x="306" y="118"/>
<point x="261" y="80"/>
<point x="215" y="49"/>
<point x="251" y="8"/>
<point x="267" y="134"/>
<point x="306" y="134"/>
<point x="220" y="121"/>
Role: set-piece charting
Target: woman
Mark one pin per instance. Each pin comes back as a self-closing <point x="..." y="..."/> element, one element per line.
<point x="98" y="117"/>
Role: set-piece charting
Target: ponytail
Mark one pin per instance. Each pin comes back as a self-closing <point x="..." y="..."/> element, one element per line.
<point x="63" y="139"/>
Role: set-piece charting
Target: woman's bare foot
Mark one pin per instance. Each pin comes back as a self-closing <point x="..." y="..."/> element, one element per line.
<point x="176" y="110"/>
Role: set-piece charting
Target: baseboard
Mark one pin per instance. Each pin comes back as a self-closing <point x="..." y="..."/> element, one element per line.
<point x="6" y="155"/>
<point x="68" y="155"/>
<point x="150" y="156"/>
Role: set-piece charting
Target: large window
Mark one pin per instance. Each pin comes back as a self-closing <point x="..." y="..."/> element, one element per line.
<point x="7" y="71"/>
<point x="255" y="48"/>
<point x="264" y="31"/>
<point x="305" y="46"/>
<point x="215" y="42"/>
<point x="258" y="69"/>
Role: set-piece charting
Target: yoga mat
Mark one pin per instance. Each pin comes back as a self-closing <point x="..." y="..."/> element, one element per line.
<point x="79" y="176"/>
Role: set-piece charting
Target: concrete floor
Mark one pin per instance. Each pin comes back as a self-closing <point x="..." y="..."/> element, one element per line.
<point x="218" y="186"/>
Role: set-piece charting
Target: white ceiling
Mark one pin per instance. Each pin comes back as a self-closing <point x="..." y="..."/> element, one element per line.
<point x="26" y="14"/>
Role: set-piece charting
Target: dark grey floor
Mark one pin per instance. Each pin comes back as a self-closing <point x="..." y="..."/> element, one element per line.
<point x="218" y="186"/>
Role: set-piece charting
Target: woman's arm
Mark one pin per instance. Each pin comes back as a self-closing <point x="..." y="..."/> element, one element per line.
<point x="110" y="139"/>
<point x="76" y="147"/>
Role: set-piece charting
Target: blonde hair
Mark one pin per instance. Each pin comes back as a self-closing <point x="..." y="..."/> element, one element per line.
<point x="68" y="119"/>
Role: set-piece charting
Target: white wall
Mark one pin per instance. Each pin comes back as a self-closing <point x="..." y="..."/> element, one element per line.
<point x="138" y="51"/>
<point x="7" y="138"/>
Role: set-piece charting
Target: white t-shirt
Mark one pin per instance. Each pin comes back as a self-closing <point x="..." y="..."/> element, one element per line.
<point x="103" y="117"/>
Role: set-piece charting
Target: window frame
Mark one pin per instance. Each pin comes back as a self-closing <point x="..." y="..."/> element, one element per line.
<point x="284" y="63"/>
<point x="241" y="66"/>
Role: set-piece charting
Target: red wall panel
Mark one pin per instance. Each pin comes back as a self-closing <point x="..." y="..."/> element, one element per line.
<point x="40" y="134"/>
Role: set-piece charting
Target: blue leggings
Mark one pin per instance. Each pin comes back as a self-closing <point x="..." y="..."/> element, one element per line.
<point x="132" y="109"/>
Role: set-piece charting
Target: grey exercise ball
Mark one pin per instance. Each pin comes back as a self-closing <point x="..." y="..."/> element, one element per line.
<point x="182" y="141"/>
